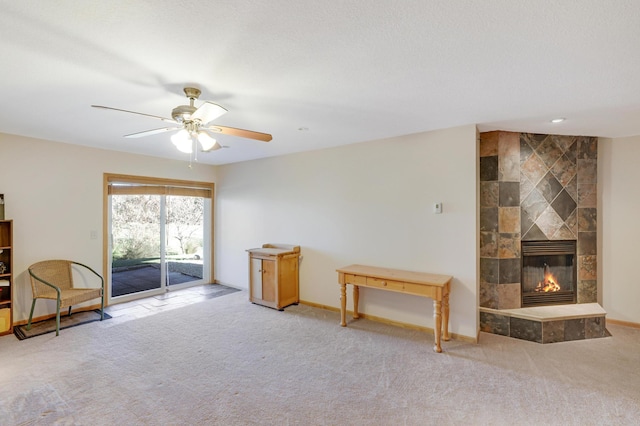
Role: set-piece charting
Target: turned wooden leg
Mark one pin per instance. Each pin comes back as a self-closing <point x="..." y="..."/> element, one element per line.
<point x="445" y="318"/>
<point x="356" y="298"/>
<point x="437" y="328"/>
<point x="343" y="305"/>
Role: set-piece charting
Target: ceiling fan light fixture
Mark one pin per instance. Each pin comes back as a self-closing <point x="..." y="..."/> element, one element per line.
<point x="207" y="142"/>
<point x="182" y="140"/>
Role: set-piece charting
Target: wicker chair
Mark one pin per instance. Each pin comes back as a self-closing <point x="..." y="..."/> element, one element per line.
<point x="53" y="279"/>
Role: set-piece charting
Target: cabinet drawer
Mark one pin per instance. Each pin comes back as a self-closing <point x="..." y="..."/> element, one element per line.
<point x="355" y="279"/>
<point x="386" y="284"/>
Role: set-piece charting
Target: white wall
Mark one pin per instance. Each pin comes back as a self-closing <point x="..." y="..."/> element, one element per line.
<point x="619" y="176"/>
<point x="53" y="193"/>
<point x="368" y="203"/>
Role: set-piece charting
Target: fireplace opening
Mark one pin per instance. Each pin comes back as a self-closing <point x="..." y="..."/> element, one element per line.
<point x="548" y="272"/>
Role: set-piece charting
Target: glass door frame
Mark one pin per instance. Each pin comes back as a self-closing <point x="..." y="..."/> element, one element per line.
<point x="171" y="187"/>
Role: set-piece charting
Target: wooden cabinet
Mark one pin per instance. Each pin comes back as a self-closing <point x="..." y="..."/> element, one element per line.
<point x="274" y="275"/>
<point x="6" y="277"/>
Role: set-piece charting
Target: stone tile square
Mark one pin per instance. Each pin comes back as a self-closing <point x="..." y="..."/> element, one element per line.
<point x="564" y="205"/>
<point x="526" y="329"/>
<point x="587" y="268"/>
<point x="488" y="295"/>
<point x="587" y="171"/>
<point x="509" y="194"/>
<point x="508" y="157"/>
<point x="489" y="144"/>
<point x="587" y="195"/>
<point x="587" y="148"/>
<point x="534" y="169"/>
<point x="594" y="327"/>
<point x="509" y="144"/>
<point x="509" y="220"/>
<point x="489" y="194"/>
<point x="489" y="270"/>
<point x="534" y="205"/>
<point x="587" y="219"/>
<point x="587" y="243"/>
<point x="509" y="272"/>
<point x="508" y="246"/>
<point x="549" y="222"/>
<point x="509" y="296"/>
<point x="587" y="291"/>
<point x="549" y="187"/>
<point x="489" y="219"/>
<point x="494" y="323"/>
<point x="489" y="168"/>
<point x="488" y="244"/>
<point x="552" y="331"/>
<point x="574" y="329"/>
<point x="564" y="170"/>
<point x="509" y="169"/>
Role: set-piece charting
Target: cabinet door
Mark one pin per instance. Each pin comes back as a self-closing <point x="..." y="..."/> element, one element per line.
<point x="269" y="280"/>
<point x="256" y="278"/>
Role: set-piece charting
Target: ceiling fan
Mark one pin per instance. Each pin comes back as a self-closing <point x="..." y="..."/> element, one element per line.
<point x="193" y="125"/>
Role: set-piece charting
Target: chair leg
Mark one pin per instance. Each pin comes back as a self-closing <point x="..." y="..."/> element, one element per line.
<point x="69" y="310"/>
<point x="33" y="305"/>
<point x="102" y="307"/>
<point x="58" y="319"/>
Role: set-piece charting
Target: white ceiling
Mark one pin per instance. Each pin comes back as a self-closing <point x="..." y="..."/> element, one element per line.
<point x="348" y="70"/>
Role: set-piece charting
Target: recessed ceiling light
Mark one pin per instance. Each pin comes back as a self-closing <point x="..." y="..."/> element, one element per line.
<point x="558" y="120"/>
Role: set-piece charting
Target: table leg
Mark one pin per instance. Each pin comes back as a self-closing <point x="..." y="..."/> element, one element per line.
<point x="437" y="328"/>
<point x="356" y="298"/>
<point x="343" y="304"/>
<point x="445" y="317"/>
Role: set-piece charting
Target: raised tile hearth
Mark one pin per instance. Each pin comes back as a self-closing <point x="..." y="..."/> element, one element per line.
<point x="547" y="324"/>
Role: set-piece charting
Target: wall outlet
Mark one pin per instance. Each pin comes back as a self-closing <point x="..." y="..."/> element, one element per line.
<point x="437" y="208"/>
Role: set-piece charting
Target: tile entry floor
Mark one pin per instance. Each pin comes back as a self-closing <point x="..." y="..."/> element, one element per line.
<point x="151" y="305"/>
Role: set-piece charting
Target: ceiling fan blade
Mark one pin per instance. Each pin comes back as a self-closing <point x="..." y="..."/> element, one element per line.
<point x="264" y="137"/>
<point x="207" y="112"/>
<point x="168" y="120"/>
<point x="151" y="132"/>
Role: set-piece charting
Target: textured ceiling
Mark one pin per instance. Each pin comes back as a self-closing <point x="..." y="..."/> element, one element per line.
<point x="348" y="71"/>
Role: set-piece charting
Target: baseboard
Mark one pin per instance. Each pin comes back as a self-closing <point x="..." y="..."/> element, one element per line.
<point x="230" y="285"/>
<point x="623" y="323"/>
<point x="429" y="330"/>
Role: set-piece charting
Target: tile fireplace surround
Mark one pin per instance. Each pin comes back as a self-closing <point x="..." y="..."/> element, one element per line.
<point x="537" y="187"/>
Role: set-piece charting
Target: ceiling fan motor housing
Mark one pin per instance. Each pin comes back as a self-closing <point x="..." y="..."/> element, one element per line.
<point x="183" y="113"/>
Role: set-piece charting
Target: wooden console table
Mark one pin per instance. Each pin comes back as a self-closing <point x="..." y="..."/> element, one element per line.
<point x="437" y="287"/>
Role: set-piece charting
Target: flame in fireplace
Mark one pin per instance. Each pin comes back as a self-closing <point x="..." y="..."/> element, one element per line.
<point x="549" y="283"/>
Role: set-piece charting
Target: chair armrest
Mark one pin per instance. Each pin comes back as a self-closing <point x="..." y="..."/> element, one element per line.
<point x="94" y="272"/>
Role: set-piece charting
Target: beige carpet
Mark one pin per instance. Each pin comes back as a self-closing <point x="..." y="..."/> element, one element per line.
<point x="225" y="361"/>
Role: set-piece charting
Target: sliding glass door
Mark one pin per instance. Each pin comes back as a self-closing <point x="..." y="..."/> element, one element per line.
<point x="136" y="237"/>
<point x="159" y="237"/>
<point x="184" y="236"/>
